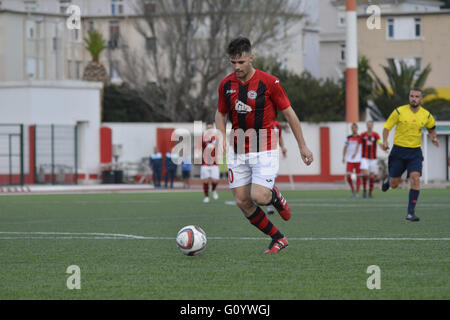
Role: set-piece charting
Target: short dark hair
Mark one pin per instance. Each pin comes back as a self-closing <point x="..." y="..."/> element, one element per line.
<point x="238" y="46"/>
<point x="418" y="90"/>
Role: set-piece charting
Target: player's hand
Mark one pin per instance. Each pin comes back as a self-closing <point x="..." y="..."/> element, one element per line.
<point x="284" y="151"/>
<point x="385" y="146"/>
<point x="225" y="146"/>
<point x="353" y="156"/>
<point x="307" y="156"/>
<point x="435" y="142"/>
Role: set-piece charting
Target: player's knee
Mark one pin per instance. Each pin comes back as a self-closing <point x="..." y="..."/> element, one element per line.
<point x="415" y="180"/>
<point x="261" y="197"/>
<point x="395" y="183"/>
<point x="244" y="203"/>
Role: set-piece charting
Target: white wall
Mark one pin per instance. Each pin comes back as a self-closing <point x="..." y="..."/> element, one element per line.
<point x="59" y="103"/>
<point x="138" y="140"/>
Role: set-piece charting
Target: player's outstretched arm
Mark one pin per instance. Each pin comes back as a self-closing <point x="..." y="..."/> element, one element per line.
<point x="385" y="145"/>
<point x="296" y="128"/>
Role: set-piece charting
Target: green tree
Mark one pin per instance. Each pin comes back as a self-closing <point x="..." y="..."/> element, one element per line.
<point x="123" y="104"/>
<point x="365" y="83"/>
<point x="314" y="100"/>
<point x="446" y="4"/>
<point x="400" y="82"/>
<point x="440" y="108"/>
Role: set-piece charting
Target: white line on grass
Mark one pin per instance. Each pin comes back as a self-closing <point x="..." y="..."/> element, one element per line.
<point x="118" y="236"/>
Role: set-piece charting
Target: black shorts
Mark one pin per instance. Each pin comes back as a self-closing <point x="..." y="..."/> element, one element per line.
<point x="401" y="159"/>
<point x="186" y="174"/>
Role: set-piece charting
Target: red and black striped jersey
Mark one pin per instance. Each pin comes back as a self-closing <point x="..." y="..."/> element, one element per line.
<point x="369" y="145"/>
<point x="252" y="105"/>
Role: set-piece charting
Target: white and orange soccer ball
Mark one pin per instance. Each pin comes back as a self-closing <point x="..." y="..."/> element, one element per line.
<point x="191" y="240"/>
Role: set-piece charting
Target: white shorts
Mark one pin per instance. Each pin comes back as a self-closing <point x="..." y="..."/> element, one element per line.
<point x="207" y="172"/>
<point x="369" y="165"/>
<point x="259" y="168"/>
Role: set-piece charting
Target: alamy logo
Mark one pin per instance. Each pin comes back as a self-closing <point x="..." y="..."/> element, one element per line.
<point x="242" y="107"/>
<point x="74" y="21"/>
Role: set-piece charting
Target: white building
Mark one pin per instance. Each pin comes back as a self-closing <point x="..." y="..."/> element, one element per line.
<point x="71" y="107"/>
<point x="332" y="25"/>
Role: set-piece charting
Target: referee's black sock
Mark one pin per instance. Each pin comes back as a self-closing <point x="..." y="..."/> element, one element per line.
<point x="413" y="196"/>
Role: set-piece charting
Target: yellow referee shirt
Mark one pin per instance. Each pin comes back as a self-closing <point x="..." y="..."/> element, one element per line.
<point x="409" y="125"/>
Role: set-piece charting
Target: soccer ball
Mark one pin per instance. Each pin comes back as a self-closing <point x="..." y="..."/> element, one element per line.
<point x="191" y="240"/>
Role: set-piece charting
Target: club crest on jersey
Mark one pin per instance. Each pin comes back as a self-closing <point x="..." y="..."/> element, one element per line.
<point x="252" y="95"/>
<point x="241" y="107"/>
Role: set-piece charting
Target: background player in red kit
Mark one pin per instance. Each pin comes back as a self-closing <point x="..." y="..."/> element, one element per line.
<point x="250" y="98"/>
<point x="209" y="171"/>
<point x="368" y="142"/>
<point x="353" y="162"/>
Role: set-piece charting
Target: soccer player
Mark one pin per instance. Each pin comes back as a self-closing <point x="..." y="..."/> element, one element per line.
<point x="209" y="171"/>
<point x="368" y="141"/>
<point x="250" y="98"/>
<point x="278" y="129"/>
<point x="156" y="165"/>
<point x="186" y="172"/>
<point x="406" y="153"/>
<point x="352" y="156"/>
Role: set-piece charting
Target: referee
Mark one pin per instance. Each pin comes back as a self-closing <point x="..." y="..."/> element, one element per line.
<point x="407" y="153"/>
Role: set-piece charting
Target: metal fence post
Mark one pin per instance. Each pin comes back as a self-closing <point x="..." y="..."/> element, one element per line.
<point x="52" y="143"/>
<point x="22" y="180"/>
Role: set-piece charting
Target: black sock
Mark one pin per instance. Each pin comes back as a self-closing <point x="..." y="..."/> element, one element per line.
<point x="413" y="196"/>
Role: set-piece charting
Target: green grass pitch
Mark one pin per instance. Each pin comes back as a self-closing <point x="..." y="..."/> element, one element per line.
<point x="124" y="245"/>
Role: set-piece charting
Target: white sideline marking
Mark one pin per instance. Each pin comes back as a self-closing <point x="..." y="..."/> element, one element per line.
<point x="307" y="204"/>
<point x="118" y="236"/>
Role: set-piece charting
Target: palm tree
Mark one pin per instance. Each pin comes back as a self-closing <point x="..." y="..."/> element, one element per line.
<point x="400" y="80"/>
<point x="95" y="71"/>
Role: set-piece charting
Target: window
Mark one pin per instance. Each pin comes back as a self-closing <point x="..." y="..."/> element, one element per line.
<point x="76" y="35"/>
<point x="114" y="34"/>
<point x="343" y="52"/>
<point x="404" y="28"/>
<point x="114" y="70"/>
<point x="69" y="69"/>
<point x="63" y="5"/>
<point x="342" y="19"/>
<point x="31" y="67"/>
<point x="41" y="68"/>
<point x="116" y="7"/>
<point x="390" y="28"/>
<point x="418" y="27"/>
<point x="415" y="62"/>
<point x="418" y="63"/>
<point x="30" y="5"/>
<point x="150" y="44"/>
<point x="149" y="7"/>
<point x="78" y="69"/>
<point x="91" y="25"/>
<point x="31" y="30"/>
